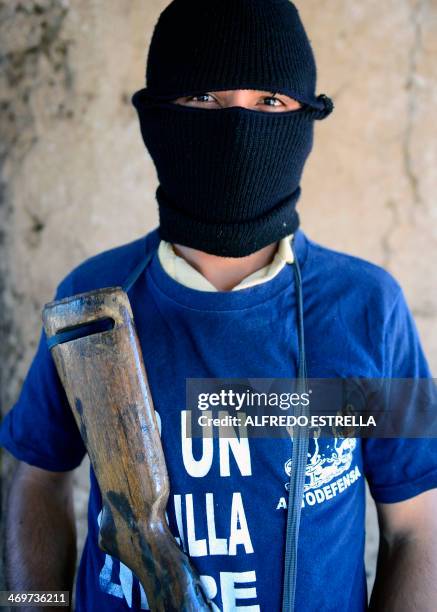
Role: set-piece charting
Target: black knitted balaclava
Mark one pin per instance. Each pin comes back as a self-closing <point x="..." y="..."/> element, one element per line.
<point x="229" y="178"/>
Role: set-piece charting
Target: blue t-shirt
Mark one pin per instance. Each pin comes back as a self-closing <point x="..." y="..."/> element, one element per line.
<point x="227" y="504"/>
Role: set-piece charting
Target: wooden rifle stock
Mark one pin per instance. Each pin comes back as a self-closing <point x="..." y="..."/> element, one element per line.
<point x="106" y="384"/>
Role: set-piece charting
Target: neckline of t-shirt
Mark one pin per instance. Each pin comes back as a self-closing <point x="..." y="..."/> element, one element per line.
<point x="248" y="297"/>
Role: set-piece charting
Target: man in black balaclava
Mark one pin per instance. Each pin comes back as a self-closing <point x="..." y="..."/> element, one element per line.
<point x="229" y="182"/>
<point x="232" y="288"/>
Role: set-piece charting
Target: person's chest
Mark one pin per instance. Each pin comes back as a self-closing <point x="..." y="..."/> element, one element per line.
<point x="228" y="497"/>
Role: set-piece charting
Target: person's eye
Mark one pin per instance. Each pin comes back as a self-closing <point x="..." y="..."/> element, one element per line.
<point x="272" y="101"/>
<point x="202" y="98"/>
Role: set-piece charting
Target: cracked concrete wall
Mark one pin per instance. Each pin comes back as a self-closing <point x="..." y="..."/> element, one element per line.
<point x="75" y="178"/>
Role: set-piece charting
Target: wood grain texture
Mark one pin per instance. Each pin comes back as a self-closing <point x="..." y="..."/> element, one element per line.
<point x="106" y="385"/>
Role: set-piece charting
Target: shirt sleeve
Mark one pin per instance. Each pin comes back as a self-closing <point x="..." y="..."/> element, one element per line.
<point x="400" y="468"/>
<point x="40" y="428"/>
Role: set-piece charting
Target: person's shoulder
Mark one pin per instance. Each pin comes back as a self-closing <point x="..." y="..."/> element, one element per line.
<point x="354" y="274"/>
<point x="107" y="268"/>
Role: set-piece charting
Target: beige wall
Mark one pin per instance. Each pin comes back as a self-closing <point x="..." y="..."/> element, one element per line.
<point x="76" y="179"/>
<point x="370" y="186"/>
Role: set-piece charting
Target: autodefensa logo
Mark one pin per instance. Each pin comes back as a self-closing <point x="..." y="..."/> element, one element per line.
<point x="328" y="471"/>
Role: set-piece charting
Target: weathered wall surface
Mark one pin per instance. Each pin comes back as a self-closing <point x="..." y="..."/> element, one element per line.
<point x="74" y="174"/>
<point x="75" y="178"/>
<point x="370" y="186"/>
